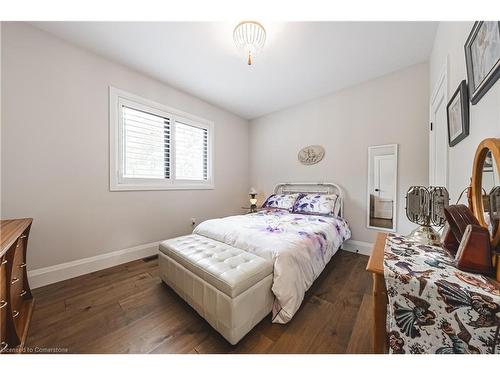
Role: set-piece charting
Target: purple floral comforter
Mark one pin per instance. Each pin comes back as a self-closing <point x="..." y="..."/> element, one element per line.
<point x="298" y="245"/>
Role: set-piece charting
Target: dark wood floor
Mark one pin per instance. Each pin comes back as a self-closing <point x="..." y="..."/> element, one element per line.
<point x="127" y="309"/>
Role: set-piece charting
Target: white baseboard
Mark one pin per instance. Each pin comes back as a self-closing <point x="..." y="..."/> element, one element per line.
<point x="64" y="271"/>
<point x="359" y="247"/>
<point x="53" y="274"/>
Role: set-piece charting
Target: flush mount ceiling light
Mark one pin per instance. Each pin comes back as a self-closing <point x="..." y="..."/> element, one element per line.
<point x="249" y="36"/>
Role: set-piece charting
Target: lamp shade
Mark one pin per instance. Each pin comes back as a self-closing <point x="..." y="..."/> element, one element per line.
<point x="439" y="199"/>
<point x="252" y="191"/>
<point x="425" y="206"/>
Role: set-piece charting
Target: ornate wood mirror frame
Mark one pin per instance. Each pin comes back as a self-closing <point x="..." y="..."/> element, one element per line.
<point x="488" y="145"/>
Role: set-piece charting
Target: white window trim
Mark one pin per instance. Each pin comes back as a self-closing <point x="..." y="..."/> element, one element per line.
<point x="117" y="182"/>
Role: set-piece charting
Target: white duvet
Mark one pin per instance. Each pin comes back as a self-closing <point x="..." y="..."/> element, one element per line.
<point x="299" y="246"/>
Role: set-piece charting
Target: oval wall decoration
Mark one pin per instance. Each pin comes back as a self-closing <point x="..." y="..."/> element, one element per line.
<point x="310" y="155"/>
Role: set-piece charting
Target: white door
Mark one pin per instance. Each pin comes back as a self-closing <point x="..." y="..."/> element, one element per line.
<point x="438" y="158"/>
<point x="384" y="183"/>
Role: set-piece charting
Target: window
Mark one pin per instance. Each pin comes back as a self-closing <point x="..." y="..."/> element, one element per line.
<point x="153" y="147"/>
<point x="191" y="152"/>
<point x="146" y="144"/>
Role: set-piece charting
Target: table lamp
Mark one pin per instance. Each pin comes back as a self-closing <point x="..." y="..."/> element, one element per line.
<point x="425" y="206"/>
<point x="253" y="200"/>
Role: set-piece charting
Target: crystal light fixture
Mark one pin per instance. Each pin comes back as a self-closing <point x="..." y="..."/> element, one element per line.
<point x="250" y="36"/>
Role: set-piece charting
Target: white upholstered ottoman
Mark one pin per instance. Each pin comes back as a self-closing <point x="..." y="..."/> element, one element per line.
<point x="229" y="287"/>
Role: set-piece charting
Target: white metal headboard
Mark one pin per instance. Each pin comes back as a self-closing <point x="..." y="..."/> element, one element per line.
<point x="312" y="187"/>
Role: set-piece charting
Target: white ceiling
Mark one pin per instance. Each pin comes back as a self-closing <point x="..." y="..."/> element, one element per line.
<point x="300" y="61"/>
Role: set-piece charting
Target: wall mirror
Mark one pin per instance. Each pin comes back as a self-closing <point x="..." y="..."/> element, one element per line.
<point x="382" y="187"/>
<point x="486" y="187"/>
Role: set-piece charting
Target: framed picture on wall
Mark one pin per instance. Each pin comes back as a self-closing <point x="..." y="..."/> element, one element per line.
<point x="457" y="112"/>
<point x="482" y="56"/>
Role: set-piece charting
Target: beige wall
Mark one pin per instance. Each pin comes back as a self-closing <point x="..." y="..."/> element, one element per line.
<point x="0" y="114"/>
<point x="484" y="116"/>
<point x="55" y="153"/>
<point x="390" y="109"/>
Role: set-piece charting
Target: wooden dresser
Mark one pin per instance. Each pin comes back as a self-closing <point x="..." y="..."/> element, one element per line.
<point x="16" y="301"/>
<point x="376" y="267"/>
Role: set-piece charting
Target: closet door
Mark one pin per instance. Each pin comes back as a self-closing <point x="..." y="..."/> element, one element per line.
<point x="438" y="134"/>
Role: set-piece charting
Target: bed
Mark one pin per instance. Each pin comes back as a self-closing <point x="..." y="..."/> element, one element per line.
<point x="298" y="245"/>
<point x="235" y="270"/>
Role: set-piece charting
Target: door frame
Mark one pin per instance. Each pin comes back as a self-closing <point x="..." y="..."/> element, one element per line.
<point x="395" y="147"/>
<point x="439" y="93"/>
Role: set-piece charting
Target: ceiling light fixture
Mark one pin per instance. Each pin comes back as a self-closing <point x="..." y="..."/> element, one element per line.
<point x="249" y="36"/>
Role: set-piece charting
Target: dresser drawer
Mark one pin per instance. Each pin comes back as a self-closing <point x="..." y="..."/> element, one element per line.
<point x="17" y="289"/>
<point x="4" y="305"/>
<point x="16" y="295"/>
<point x="16" y="300"/>
<point x="18" y="262"/>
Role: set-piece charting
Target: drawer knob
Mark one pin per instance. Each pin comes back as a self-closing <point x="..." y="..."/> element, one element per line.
<point x="22" y="265"/>
<point x="3" y="304"/>
<point x="23" y="236"/>
<point x="4" y="262"/>
<point x="23" y="293"/>
<point x="15" y="313"/>
<point x="14" y="280"/>
<point x="3" y="346"/>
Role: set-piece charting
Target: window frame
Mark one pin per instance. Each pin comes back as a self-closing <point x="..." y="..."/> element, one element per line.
<point x="117" y="182"/>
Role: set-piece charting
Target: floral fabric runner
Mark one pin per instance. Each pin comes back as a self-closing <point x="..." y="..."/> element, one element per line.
<point x="433" y="306"/>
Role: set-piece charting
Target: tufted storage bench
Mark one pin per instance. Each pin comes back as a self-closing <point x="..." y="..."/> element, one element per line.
<point x="229" y="287"/>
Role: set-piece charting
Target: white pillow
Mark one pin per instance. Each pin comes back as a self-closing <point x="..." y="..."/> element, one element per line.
<point x="281" y="201"/>
<point x="319" y="204"/>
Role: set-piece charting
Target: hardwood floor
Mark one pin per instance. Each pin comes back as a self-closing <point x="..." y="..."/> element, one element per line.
<point x="128" y="309"/>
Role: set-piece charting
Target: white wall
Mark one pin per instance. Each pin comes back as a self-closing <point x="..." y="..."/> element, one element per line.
<point x="484" y="116"/>
<point x="55" y="153"/>
<point x="390" y="109"/>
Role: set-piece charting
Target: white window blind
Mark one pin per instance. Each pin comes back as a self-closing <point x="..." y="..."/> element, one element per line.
<point x="191" y="152"/>
<point x="146" y="144"/>
<point x="155" y="147"/>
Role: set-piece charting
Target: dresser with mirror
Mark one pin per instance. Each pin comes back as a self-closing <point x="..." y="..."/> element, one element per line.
<point x="484" y="202"/>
